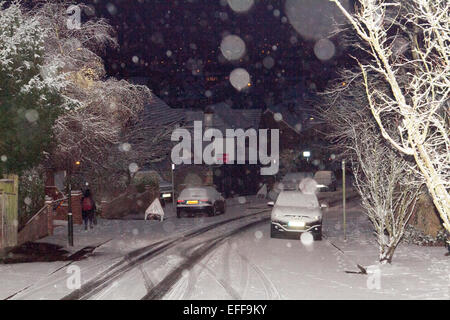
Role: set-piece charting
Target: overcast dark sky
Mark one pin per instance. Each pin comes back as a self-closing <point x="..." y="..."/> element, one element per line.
<point x="176" y="44"/>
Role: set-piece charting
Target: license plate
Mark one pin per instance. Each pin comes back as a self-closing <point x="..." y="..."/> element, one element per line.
<point x="298" y="224"/>
<point x="192" y="202"/>
<point x="166" y="195"/>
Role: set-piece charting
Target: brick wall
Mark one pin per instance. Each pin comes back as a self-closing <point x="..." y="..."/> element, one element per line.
<point x="130" y="202"/>
<point x="61" y="211"/>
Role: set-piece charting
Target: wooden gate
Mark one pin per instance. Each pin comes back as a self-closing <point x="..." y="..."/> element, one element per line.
<point x="9" y="194"/>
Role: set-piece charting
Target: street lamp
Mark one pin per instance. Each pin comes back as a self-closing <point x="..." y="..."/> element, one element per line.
<point x="69" y="209"/>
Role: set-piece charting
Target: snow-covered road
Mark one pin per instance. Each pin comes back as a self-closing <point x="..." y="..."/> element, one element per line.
<point x="229" y="256"/>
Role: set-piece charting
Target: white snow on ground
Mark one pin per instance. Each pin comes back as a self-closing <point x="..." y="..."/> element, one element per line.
<point x="245" y="265"/>
<point x="318" y="271"/>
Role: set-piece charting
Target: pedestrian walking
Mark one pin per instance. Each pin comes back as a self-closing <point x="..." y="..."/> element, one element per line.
<point x="88" y="209"/>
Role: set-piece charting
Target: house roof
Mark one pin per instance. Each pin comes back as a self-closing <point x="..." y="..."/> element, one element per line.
<point x="224" y="117"/>
<point x="290" y="115"/>
<point x="191" y="116"/>
<point x="156" y="120"/>
<point x="296" y="112"/>
<point x="157" y="110"/>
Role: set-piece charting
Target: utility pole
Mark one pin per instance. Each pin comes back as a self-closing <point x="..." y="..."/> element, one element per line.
<point x="343" y="200"/>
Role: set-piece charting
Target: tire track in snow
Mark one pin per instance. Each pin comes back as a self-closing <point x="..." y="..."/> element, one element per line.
<point x="224" y="284"/>
<point x="245" y="276"/>
<point x="138" y="257"/>
<point x="272" y="292"/>
<point x="107" y="277"/>
<point x="164" y="286"/>
<point x="225" y="280"/>
<point x="193" y="279"/>
<point x="194" y="275"/>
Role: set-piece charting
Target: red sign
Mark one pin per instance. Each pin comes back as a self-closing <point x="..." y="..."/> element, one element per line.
<point x="223" y="158"/>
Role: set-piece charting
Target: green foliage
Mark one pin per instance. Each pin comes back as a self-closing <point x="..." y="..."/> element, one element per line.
<point x="29" y="102"/>
<point x="31" y="194"/>
<point x="418" y="237"/>
<point x="141" y="181"/>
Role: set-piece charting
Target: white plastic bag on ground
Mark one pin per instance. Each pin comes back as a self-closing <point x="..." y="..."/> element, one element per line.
<point x="262" y="193"/>
<point x="155" y="211"/>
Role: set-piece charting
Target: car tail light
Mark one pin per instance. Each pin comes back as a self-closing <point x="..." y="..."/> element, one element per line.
<point x="204" y="201"/>
<point x="180" y="201"/>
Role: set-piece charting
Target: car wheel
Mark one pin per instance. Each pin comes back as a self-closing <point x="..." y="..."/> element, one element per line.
<point x="224" y="208"/>
<point x="274" y="233"/>
<point x="318" y="235"/>
<point x="212" y="211"/>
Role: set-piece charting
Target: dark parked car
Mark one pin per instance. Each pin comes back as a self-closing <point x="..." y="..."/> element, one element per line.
<point x="165" y="191"/>
<point x="292" y="180"/>
<point x="326" y="181"/>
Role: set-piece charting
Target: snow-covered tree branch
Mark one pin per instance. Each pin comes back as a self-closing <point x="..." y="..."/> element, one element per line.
<point x="408" y="46"/>
<point x="103" y="112"/>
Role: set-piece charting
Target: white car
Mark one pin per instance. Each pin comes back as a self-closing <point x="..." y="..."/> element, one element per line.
<point x="204" y="198"/>
<point x="295" y="213"/>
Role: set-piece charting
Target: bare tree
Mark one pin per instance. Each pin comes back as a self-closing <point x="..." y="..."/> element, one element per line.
<point x="89" y="132"/>
<point x="388" y="189"/>
<point x="408" y="44"/>
<point x="385" y="179"/>
<point x="143" y="141"/>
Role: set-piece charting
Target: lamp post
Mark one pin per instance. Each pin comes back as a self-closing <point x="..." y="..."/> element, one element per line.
<point x="69" y="207"/>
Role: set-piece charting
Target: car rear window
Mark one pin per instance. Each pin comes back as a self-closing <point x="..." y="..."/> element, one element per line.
<point x="193" y="193"/>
